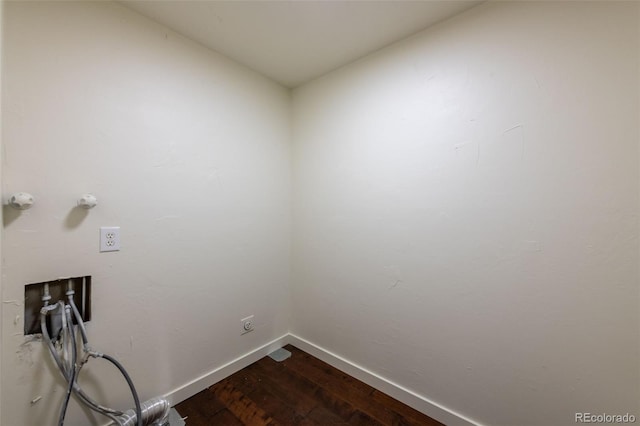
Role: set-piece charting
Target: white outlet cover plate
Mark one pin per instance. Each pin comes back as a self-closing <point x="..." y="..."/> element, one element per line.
<point x="109" y="238"/>
<point x="247" y="324"/>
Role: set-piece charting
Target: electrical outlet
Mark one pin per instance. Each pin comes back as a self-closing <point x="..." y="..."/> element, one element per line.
<point x="110" y="238"/>
<point x="247" y="324"/>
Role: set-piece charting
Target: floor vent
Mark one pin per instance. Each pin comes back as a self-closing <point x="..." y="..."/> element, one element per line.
<point x="280" y="355"/>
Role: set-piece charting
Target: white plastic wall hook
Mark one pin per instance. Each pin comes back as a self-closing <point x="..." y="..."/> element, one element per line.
<point x="21" y="201"/>
<point x="87" y="201"/>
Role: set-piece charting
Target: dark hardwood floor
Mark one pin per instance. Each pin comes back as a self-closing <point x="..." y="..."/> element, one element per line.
<point x="301" y="390"/>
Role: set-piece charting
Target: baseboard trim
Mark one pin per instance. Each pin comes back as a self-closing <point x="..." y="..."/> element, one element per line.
<point x="424" y="405"/>
<point x="193" y="387"/>
<point x="412" y="399"/>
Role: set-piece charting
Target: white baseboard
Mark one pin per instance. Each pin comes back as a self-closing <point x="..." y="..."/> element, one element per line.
<point x="406" y="396"/>
<point x="412" y="399"/>
<point x="193" y="387"/>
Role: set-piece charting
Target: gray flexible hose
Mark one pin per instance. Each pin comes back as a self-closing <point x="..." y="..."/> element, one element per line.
<point x="80" y="393"/>
<point x="108" y="412"/>
<point x="154" y="412"/>
<point x="72" y="373"/>
<point x="76" y="313"/>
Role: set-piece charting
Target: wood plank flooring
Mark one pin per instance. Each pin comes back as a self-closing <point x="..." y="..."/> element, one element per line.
<point x="301" y="390"/>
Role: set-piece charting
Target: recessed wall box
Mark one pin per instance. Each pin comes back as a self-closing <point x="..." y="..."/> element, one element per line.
<point x="58" y="290"/>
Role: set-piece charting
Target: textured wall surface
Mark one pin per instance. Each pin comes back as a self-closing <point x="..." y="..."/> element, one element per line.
<point x="187" y="152"/>
<point x="465" y="212"/>
<point x="465" y="207"/>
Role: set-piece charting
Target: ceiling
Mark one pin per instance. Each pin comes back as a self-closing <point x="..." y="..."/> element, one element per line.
<point x="293" y="42"/>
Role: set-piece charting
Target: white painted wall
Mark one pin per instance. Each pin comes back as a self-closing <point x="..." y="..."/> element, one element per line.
<point x="465" y="206"/>
<point x="187" y="152"/>
<point x="1" y="161"/>
<point x="465" y="212"/>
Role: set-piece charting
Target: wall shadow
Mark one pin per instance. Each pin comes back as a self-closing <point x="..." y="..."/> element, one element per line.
<point x="75" y="217"/>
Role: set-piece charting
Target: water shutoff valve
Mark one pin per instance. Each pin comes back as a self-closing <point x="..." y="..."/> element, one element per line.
<point x="21" y="201"/>
<point x="87" y="201"/>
